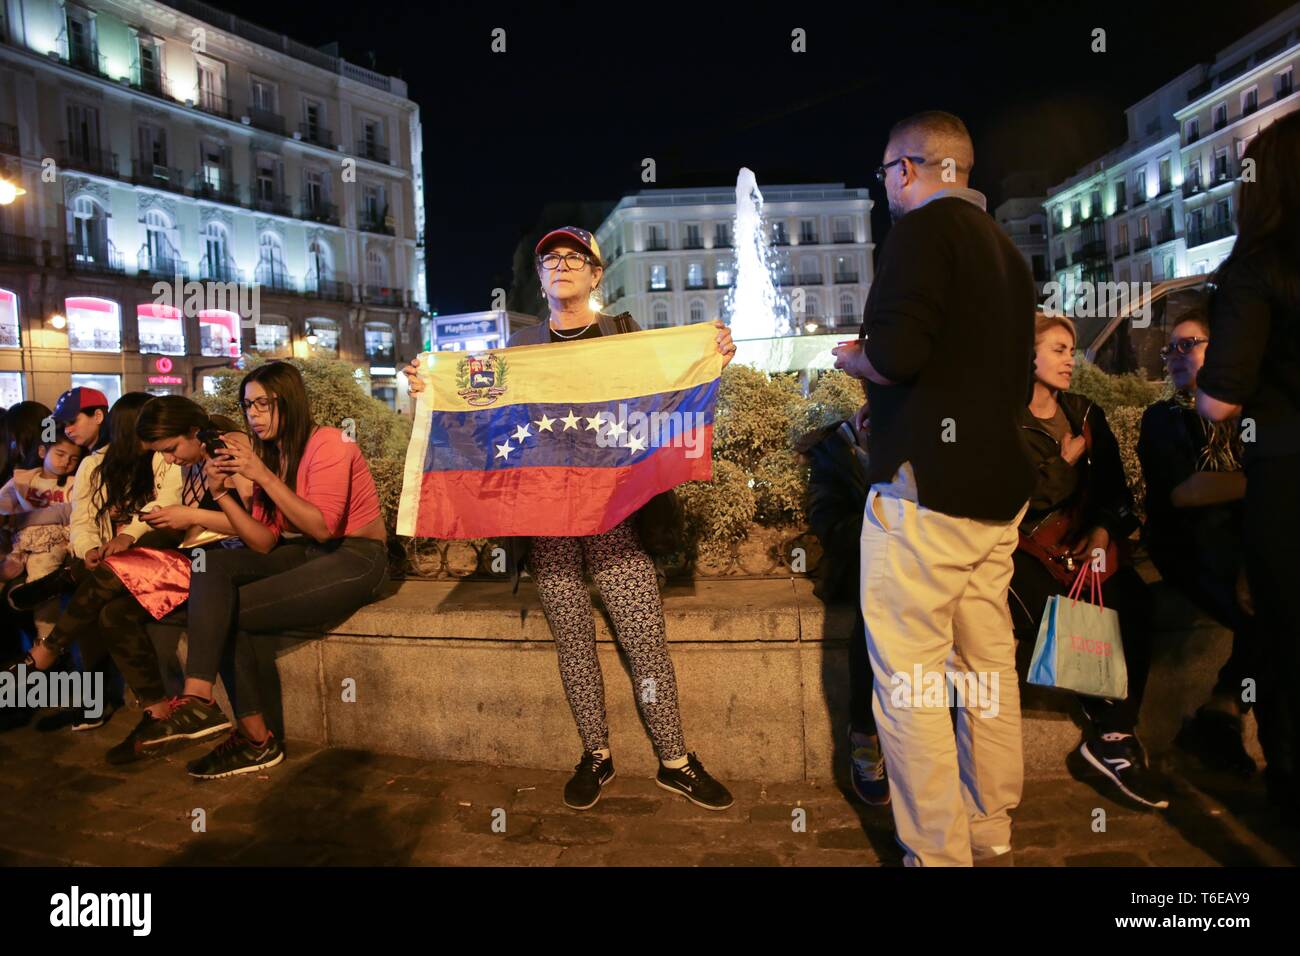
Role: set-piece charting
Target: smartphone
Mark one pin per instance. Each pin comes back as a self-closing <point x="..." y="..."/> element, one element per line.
<point x="211" y="439"/>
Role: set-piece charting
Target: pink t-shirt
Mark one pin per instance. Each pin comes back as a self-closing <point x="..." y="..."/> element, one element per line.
<point x="333" y="475"/>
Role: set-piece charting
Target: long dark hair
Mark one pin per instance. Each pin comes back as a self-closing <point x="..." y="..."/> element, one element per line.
<point x="1268" y="207"/>
<point x="20" y="439"/>
<point x="170" y="416"/>
<point x="125" y="480"/>
<point x="294" y="424"/>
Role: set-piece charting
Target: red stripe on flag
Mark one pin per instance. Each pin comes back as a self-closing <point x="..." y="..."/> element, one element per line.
<point x="554" y="501"/>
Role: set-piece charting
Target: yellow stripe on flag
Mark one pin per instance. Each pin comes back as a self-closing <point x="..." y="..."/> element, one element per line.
<point x="591" y="370"/>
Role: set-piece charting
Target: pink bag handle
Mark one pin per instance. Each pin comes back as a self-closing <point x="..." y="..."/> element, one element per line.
<point x="1076" y="589"/>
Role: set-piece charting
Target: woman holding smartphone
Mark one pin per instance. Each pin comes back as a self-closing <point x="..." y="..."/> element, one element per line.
<point x="312" y="483"/>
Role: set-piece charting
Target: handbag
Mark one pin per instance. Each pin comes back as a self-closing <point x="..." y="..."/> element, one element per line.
<point x="1079" y="645"/>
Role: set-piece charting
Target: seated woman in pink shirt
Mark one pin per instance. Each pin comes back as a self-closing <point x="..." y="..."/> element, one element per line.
<point x="316" y="551"/>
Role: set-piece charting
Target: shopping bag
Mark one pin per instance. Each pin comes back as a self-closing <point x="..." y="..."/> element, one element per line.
<point x="1079" y="646"/>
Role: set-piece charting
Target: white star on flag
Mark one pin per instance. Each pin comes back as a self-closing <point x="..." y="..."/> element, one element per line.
<point x="593" y="424"/>
<point x="571" y="421"/>
<point x="521" y="433"/>
<point x="545" y="424"/>
<point x="616" y="428"/>
<point x="635" y="444"/>
<point x="503" y="451"/>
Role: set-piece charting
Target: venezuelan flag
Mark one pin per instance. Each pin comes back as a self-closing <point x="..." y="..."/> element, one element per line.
<point x="566" y="438"/>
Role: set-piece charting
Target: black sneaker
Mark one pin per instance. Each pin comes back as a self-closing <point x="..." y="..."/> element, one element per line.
<point x="1120" y="758"/>
<point x="77" y="720"/>
<point x="145" y="741"/>
<point x="593" y="772"/>
<point x="694" y="783"/>
<point x="188" y="718"/>
<point x="30" y="595"/>
<point x="236" y="755"/>
<point x="1214" y="736"/>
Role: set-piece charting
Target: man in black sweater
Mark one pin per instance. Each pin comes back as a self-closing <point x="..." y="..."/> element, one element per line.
<point x="945" y="350"/>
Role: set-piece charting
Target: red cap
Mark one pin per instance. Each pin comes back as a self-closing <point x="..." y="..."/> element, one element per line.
<point x="571" y="234"/>
<point x="77" y="400"/>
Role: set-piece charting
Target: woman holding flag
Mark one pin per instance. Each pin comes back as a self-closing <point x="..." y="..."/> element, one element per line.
<point x="570" y="268"/>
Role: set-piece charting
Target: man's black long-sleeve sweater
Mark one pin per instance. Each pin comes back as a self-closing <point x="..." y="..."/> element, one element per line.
<point x="950" y="319"/>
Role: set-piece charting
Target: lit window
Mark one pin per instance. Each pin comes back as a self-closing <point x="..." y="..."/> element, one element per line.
<point x="381" y="349"/>
<point x="162" y="329"/>
<point x="11" y="388"/>
<point x="219" y="333"/>
<point x="271" y="338"/>
<point x="110" y="385"/>
<point x="10" y="337"/>
<point x="94" y="325"/>
<point x="327" y="335"/>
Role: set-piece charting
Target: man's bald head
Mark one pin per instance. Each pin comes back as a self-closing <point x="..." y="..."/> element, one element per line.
<point x="936" y="136"/>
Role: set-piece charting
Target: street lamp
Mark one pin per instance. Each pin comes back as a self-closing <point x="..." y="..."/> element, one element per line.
<point x="57" y="321"/>
<point x="10" y="191"/>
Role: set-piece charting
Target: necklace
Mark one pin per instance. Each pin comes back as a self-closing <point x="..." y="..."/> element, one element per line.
<point x="576" y="334"/>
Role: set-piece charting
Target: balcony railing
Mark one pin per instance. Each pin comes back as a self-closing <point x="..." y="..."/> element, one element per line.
<point x="785" y="278"/>
<point x="145" y="173"/>
<point x="1141" y="243"/>
<point x="841" y="238"/>
<point x="810" y="278"/>
<point x="154" y="263"/>
<point x="656" y="245"/>
<point x="17" y="248"/>
<point x="721" y="242"/>
<point x="371" y="150"/>
<point x="845" y="277"/>
<point x="316" y="134"/>
<point x="1119" y="250"/>
<point x="319" y="212"/>
<point x="101" y="257"/>
<point x="1096" y="249"/>
<point x="1166" y="187"/>
<point x="213" y="103"/>
<point x="1121" y="205"/>
<point x="781" y="239"/>
<point x="809" y="240"/>
<point x="1139" y="198"/>
<point x="267" y="120"/>
<point x="321" y="288"/>
<point x="1215" y="230"/>
<point x="383" y="295"/>
<point x="695" y="242"/>
<point x="371" y="223"/>
<point x="1225" y="172"/>
<point x="1191" y="186"/>
<point x="271" y="274"/>
<point x="726" y="283"/>
<point x="78" y="155"/>
<point x="152" y="81"/>
<point x="220" y="270"/>
<point x="224" y="191"/>
<point x="697" y="283"/>
<point x="277" y="204"/>
<point x="1249" y="108"/>
<point x="87" y="58"/>
<point x="1164" y="235"/>
<point x="9" y="139"/>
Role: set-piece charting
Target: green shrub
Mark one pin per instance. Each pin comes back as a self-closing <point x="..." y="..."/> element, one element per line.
<point x="1113" y="391"/>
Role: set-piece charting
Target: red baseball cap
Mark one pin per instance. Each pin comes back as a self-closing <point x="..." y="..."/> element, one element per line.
<point x="571" y="234"/>
<point x="77" y="400"/>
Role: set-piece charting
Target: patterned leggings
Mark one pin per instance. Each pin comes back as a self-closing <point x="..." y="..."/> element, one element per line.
<point x="625" y="575"/>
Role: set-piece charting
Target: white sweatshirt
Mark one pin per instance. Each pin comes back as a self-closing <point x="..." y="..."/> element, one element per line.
<point x="87" y="531"/>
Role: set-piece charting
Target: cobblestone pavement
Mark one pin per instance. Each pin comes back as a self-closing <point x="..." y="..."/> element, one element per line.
<point x="60" y="804"/>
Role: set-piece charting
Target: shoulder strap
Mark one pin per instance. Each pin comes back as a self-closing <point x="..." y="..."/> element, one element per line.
<point x="618" y="324"/>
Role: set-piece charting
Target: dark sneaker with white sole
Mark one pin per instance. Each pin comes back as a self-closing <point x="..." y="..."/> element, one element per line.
<point x="1120" y="758"/>
<point x="694" y="783"/>
<point x="593" y="772"/>
<point x="188" y="719"/>
<point x="237" y="755"/>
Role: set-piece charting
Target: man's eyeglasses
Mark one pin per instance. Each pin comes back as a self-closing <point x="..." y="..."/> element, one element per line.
<point x="1182" y="346"/>
<point x="262" y="404"/>
<point x="571" y="260"/>
<point x="882" y="170"/>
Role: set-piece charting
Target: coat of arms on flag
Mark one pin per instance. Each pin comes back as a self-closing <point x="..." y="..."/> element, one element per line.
<point x="567" y="438"/>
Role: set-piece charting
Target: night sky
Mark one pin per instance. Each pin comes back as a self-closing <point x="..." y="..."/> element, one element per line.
<point x="585" y="91"/>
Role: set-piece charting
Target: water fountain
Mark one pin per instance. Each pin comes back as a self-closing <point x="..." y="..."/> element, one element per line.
<point x="761" y="322"/>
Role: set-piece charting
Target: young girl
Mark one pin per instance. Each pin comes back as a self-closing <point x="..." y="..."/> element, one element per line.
<point x="311" y="481"/>
<point x="38" y="502"/>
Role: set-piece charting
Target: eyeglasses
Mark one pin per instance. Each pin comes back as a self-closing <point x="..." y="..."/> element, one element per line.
<point x="262" y="404"/>
<point x="1182" y="346"/>
<point x="572" y="260"/>
<point x="882" y="170"/>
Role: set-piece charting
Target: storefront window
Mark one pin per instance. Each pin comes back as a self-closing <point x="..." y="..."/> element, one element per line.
<point x="94" y="325"/>
<point x="110" y="385"/>
<point x="219" y="333"/>
<point x="327" y="336"/>
<point x="11" y="388"/>
<point x="381" y="349"/>
<point x="9" y="334"/>
<point x="271" y="338"/>
<point x="162" y="329"/>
